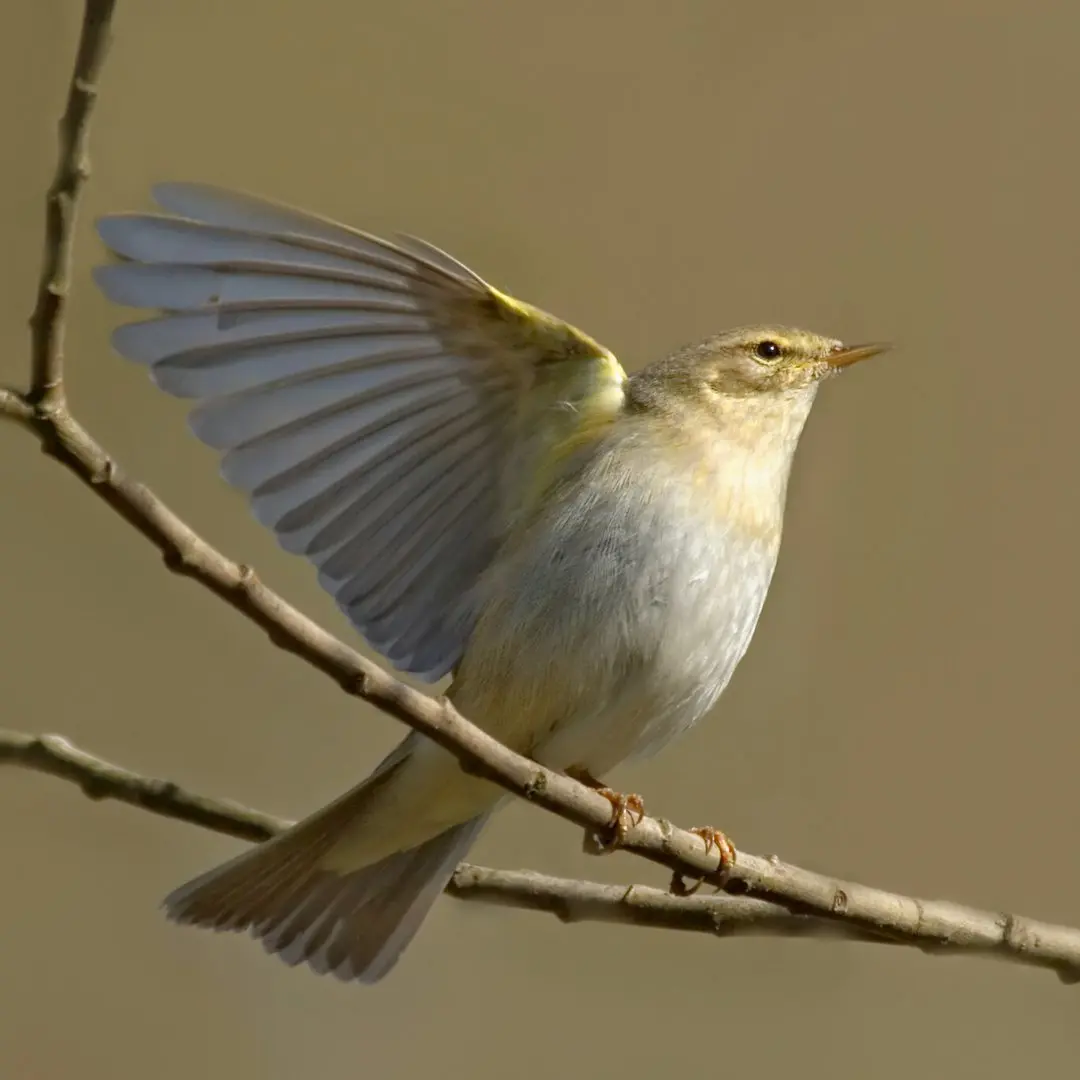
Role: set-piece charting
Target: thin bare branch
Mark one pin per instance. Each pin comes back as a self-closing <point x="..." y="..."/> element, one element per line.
<point x="943" y="928"/>
<point x="62" y="204"/>
<point x="571" y="900"/>
<point x="99" y="779"/>
<point x="13" y="406"/>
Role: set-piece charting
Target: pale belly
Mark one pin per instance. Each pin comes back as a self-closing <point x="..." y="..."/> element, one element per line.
<point x="615" y="625"/>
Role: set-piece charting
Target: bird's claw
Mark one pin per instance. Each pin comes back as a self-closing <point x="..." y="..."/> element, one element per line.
<point x="627" y="811"/>
<point x="712" y="838"/>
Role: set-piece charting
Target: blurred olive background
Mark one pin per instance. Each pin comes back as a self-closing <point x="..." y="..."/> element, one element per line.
<point x="653" y="172"/>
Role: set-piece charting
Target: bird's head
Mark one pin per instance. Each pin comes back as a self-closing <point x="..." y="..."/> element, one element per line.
<point x="756" y="380"/>
<point x="754" y="360"/>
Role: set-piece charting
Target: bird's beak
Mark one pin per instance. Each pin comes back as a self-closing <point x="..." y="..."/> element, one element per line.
<point x="845" y="355"/>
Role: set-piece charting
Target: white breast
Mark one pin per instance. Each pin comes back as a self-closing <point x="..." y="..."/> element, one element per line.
<point x="621" y="615"/>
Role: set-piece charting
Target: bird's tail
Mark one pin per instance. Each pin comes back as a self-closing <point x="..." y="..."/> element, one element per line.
<point x="353" y="924"/>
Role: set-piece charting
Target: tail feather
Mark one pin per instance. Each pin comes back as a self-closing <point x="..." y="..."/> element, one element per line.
<point x="358" y="926"/>
<point x="352" y="923"/>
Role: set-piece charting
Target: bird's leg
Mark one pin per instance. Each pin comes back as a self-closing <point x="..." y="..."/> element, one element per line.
<point x="623" y="807"/>
<point x="725" y="849"/>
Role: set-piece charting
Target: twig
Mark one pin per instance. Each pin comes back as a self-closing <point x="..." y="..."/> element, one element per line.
<point x="942" y="928"/>
<point x="62" y="204"/>
<point x="571" y="900"/>
<point x="14" y="406"/>
<point x="855" y="910"/>
<point x="99" y="779"/>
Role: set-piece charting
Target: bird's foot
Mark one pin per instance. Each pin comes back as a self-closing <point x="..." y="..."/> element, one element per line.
<point x="725" y="849"/>
<point x="626" y="810"/>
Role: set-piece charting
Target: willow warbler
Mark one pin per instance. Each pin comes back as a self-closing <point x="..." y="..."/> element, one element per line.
<point x="484" y="492"/>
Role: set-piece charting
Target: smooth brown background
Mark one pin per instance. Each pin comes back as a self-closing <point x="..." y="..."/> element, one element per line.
<point x="654" y="172"/>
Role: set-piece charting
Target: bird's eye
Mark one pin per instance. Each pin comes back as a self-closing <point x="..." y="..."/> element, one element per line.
<point x="767" y="350"/>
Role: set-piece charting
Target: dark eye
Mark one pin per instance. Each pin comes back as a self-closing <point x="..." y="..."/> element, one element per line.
<point x="767" y="350"/>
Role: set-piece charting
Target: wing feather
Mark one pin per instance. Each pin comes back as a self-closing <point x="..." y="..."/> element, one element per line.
<point x="366" y="395"/>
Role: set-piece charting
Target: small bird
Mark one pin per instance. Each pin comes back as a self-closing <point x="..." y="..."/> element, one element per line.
<point x="485" y="493"/>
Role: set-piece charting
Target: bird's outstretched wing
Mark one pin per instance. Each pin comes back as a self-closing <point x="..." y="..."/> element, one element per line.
<point x="369" y="397"/>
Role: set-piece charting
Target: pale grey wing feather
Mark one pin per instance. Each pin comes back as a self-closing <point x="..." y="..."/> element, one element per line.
<point x="363" y="434"/>
<point x="437" y="257"/>
<point x="332" y="516"/>
<point x="179" y="287"/>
